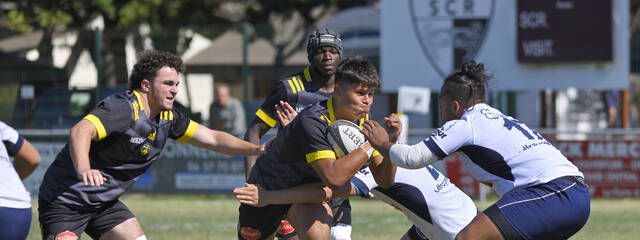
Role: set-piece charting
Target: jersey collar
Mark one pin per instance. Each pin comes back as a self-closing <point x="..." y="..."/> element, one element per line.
<point x="332" y="116"/>
<point x="307" y="74"/>
<point x="135" y="92"/>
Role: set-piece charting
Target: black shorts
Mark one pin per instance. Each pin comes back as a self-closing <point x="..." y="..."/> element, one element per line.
<point x="57" y="218"/>
<point x="260" y="222"/>
<point x="341" y="211"/>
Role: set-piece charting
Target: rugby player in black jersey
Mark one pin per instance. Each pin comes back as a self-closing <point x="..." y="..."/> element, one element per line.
<point x="301" y="153"/>
<point x="111" y="147"/>
<point x="315" y="83"/>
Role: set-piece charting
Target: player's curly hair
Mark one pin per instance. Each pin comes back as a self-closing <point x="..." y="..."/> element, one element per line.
<point x="149" y="62"/>
<point x="358" y="70"/>
<point x="467" y="86"/>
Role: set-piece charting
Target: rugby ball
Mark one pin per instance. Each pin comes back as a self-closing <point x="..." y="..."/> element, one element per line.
<point x="345" y="137"/>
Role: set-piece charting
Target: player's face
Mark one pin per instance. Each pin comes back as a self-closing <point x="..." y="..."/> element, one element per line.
<point x="164" y="88"/>
<point x="325" y="60"/>
<point x="357" y="100"/>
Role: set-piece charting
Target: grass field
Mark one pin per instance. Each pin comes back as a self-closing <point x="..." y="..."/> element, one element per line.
<point x="215" y="217"/>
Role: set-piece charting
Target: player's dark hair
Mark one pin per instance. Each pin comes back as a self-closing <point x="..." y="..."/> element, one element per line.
<point x="357" y="70"/>
<point x="149" y="62"/>
<point x="467" y="86"/>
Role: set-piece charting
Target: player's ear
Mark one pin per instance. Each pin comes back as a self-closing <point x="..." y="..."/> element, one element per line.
<point x="457" y="108"/>
<point x="145" y="85"/>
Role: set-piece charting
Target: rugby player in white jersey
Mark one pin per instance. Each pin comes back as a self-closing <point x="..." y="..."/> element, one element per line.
<point x="542" y="194"/>
<point x="15" y="202"/>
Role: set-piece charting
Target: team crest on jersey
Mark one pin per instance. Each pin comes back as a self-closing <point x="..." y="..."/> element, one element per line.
<point x="248" y="233"/>
<point x="450" y="32"/>
<point x="145" y="149"/>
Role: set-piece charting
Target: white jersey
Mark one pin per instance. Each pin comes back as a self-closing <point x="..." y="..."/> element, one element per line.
<point x="426" y="197"/>
<point x="500" y="150"/>
<point x="12" y="191"/>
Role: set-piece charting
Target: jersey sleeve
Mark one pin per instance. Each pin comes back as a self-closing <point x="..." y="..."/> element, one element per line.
<point x="312" y="134"/>
<point x="450" y="137"/>
<point x="182" y="128"/>
<point x="11" y="139"/>
<point x="267" y="111"/>
<point x="110" y="116"/>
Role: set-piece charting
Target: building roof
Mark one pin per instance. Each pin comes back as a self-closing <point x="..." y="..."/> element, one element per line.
<point x="226" y="50"/>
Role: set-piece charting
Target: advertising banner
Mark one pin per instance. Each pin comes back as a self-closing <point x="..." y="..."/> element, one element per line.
<point x="611" y="167"/>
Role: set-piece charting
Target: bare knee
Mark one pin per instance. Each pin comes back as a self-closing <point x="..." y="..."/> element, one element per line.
<point x="481" y="227"/>
<point x="129" y="229"/>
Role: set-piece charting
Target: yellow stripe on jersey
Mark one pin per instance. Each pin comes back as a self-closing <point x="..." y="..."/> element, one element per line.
<point x="332" y="116"/>
<point x="265" y="118"/>
<point x="300" y="81"/>
<point x="293" y="88"/>
<point x="191" y="130"/>
<point x="170" y="115"/>
<point x="102" y="133"/>
<point x="135" y="110"/>
<point x="295" y="82"/>
<point x="139" y="99"/>
<point x="312" y="157"/>
<point x="307" y="75"/>
<point x="326" y="119"/>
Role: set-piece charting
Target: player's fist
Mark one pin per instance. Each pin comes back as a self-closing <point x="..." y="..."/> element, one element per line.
<point x="393" y="125"/>
<point x="377" y="135"/>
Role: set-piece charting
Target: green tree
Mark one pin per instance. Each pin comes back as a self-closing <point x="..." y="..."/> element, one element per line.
<point x="286" y="23"/>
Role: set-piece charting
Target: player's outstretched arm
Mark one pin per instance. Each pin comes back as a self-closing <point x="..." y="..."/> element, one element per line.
<point x="79" y="143"/>
<point x="402" y="155"/>
<point x="411" y="156"/>
<point x="223" y="142"/>
<point x="26" y="160"/>
<point x="316" y="192"/>
<point x="255" y="131"/>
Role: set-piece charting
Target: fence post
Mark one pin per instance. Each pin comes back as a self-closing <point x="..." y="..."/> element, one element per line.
<point x="97" y="33"/>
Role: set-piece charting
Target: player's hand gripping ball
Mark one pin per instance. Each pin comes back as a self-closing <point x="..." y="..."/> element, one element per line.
<point x="345" y="137"/>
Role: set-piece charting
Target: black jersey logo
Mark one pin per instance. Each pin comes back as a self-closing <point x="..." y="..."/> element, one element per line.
<point x="450" y="32"/>
<point x="145" y="149"/>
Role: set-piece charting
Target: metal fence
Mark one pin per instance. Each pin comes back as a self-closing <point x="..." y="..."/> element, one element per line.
<point x="183" y="168"/>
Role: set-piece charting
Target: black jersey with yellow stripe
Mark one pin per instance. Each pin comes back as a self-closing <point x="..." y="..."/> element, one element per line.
<point x="128" y="143"/>
<point x="298" y="90"/>
<point x="287" y="160"/>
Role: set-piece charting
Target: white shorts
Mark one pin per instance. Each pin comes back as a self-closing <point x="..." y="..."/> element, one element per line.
<point x="426" y="197"/>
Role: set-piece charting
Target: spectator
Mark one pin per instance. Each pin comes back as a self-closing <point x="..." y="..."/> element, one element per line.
<point x="611" y="100"/>
<point x="226" y="112"/>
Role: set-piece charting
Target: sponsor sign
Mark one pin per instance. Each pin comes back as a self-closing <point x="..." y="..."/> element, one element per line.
<point x="611" y="168"/>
